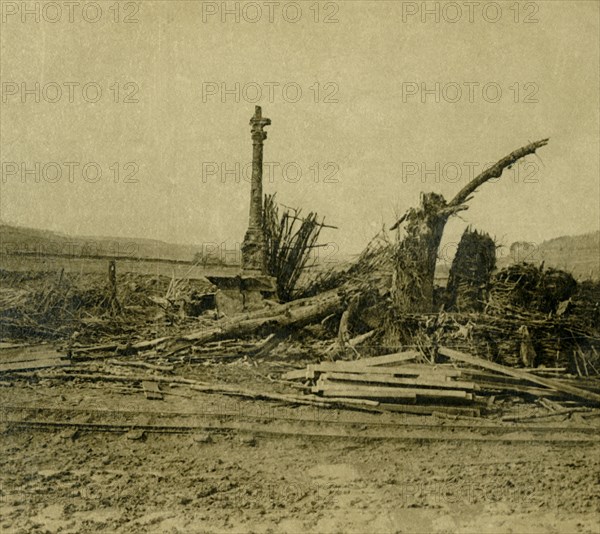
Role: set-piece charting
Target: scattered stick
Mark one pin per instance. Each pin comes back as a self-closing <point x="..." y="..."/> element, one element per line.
<point x="153" y="367"/>
<point x="569" y="411"/>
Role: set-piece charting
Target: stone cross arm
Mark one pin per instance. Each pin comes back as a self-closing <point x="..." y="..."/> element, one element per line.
<point x="258" y="123"/>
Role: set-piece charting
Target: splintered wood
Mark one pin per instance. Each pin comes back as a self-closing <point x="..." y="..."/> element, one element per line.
<point x="395" y="383"/>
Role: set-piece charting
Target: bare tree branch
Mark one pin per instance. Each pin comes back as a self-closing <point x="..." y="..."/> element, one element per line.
<point x="458" y="203"/>
<point x="495" y="171"/>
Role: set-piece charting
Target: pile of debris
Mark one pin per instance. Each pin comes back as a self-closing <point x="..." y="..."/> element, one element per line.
<point x="391" y="384"/>
<point x="514" y="338"/>
<point x="394" y="382"/>
<point x="517" y="325"/>
<point x="526" y="286"/>
<point x="50" y="305"/>
<point x="585" y="305"/>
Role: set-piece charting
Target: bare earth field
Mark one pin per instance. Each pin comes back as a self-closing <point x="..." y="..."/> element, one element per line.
<point x="251" y="466"/>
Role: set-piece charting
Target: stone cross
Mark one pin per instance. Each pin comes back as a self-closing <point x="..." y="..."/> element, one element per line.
<point x="253" y="248"/>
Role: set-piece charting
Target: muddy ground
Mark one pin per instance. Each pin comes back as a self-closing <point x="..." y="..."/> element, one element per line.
<point x="228" y="480"/>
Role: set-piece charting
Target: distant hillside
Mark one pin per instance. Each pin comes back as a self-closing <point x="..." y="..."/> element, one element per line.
<point x="579" y="254"/>
<point x="15" y="239"/>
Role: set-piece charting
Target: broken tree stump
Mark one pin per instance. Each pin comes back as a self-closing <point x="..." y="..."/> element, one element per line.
<point x="416" y="252"/>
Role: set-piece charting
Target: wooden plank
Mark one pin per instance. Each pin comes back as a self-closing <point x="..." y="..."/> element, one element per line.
<point x="551" y="405"/>
<point x="296" y="374"/>
<point x="344" y="400"/>
<point x="352" y="367"/>
<point x="4" y="345"/>
<point x="441" y="382"/>
<point x="591" y="384"/>
<point x="397" y="357"/>
<point x="29" y="353"/>
<point x="152" y="390"/>
<point x="348" y="390"/>
<point x="523" y="375"/>
<point x="361" y="394"/>
<point x="498" y="381"/>
<point x="146" y="365"/>
<point x="478" y="375"/>
<point x="33" y="364"/>
<point x="404" y="370"/>
<point x="529" y="390"/>
<point x="417" y="369"/>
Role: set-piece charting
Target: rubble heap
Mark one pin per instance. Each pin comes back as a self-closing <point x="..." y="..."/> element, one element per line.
<point x="522" y="323"/>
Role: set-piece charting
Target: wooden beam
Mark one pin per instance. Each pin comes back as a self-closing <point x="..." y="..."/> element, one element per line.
<point x="373" y="393"/>
<point x="146" y="365"/>
<point x="397" y="357"/>
<point x="441" y="383"/>
<point x="33" y="364"/>
<point x="523" y="375"/>
<point x="381" y="392"/>
<point x="29" y="353"/>
<point x="296" y="374"/>
<point x="344" y="400"/>
<point x="529" y="390"/>
<point x="404" y="370"/>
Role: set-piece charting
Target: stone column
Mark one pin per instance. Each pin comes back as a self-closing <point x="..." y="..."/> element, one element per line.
<point x="254" y="258"/>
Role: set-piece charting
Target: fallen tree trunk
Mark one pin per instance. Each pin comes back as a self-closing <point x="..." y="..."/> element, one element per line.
<point x="294" y="314"/>
<point x="277" y="320"/>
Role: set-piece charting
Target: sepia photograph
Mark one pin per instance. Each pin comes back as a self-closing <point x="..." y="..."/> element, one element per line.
<point x="288" y="267"/>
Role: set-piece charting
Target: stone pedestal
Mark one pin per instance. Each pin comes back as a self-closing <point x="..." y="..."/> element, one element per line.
<point x="241" y="293"/>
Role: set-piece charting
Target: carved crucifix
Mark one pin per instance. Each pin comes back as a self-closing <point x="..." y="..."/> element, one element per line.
<point x="253" y="248"/>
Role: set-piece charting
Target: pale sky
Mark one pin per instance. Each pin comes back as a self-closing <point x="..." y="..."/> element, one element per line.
<point x="360" y="111"/>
